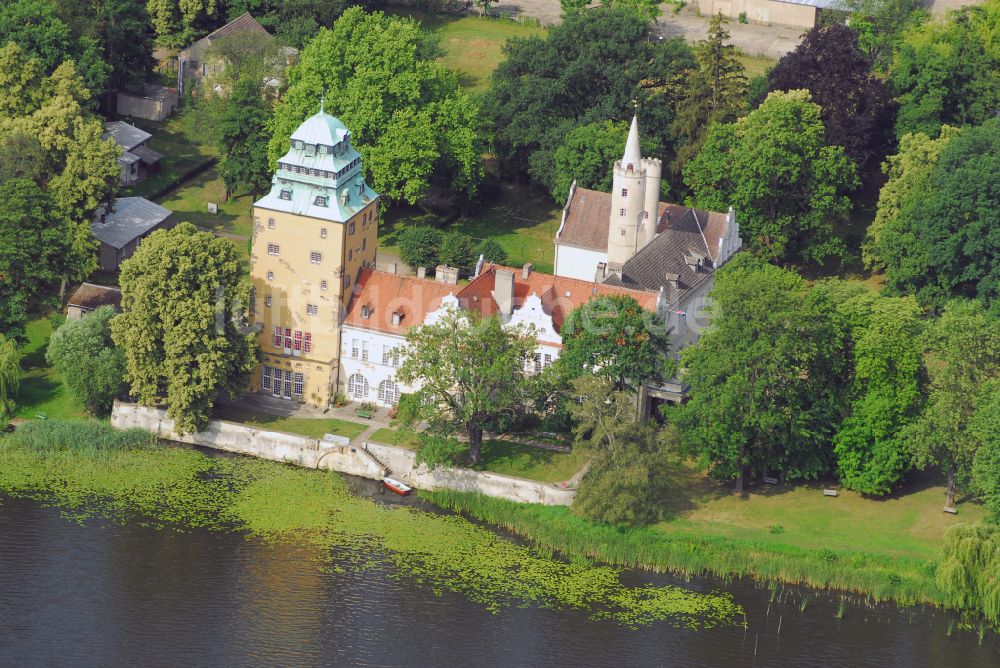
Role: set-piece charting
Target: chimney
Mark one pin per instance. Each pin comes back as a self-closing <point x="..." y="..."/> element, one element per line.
<point x="526" y="271"/>
<point x="503" y="290"/>
<point x="445" y="274"/>
<point x="673" y="279"/>
<point x="421" y="272"/>
<point x="392" y="267"/>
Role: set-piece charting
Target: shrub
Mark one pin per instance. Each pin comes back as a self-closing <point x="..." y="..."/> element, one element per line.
<point x="742" y="17"/>
<point x="85" y="437"/>
<point x="420" y="246"/>
<point x="436" y="451"/>
<point x="458" y="250"/>
<point x="86" y="357"/>
<point x="492" y="251"/>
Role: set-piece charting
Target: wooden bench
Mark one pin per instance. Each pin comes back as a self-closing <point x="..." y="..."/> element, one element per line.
<point x="770" y="481"/>
<point x="829" y="492"/>
<point x="949" y="509"/>
<point x="365" y="413"/>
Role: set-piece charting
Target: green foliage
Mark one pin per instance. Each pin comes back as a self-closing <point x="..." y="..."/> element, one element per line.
<point x="10" y="378"/>
<point x="985" y="428"/>
<point x="458" y="250"/>
<point x="909" y="173"/>
<point x="243" y="134"/>
<point x="32" y="250"/>
<point x="179" y="326"/>
<point x="880" y="24"/>
<point x="589" y="69"/>
<point x="492" y="251"/>
<point x="86" y="438"/>
<point x="715" y="92"/>
<point x="856" y="107"/>
<point x="410" y="120"/>
<point x="774" y="167"/>
<point x="420" y="246"/>
<point x="436" y="450"/>
<point x="613" y="337"/>
<point x="293" y="21"/>
<point x="964" y="368"/>
<point x="573" y="7"/>
<point x="647" y="10"/>
<point x="83" y="352"/>
<point x="765" y="378"/>
<point x="968" y="571"/>
<point x="947" y="71"/>
<point x="586" y="155"/>
<point x="943" y="243"/>
<point x="471" y="373"/>
<point x="178" y="23"/>
<point x="886" y="394"/>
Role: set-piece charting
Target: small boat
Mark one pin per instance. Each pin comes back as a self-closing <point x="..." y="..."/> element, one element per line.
<point x="396" y="486"/>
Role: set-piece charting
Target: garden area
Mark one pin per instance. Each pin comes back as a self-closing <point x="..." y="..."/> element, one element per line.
<point x="310" y="427"/>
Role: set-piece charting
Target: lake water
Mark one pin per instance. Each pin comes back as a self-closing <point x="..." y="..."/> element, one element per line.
<point x="110" y="595"/>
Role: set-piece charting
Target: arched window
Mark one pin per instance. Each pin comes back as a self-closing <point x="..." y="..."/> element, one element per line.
<point x="388" y="392"/>
<point x="357" y="386"/>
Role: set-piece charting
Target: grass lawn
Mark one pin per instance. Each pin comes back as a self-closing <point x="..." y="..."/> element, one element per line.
<point x="184" y="142"/>
<point x="756" y="64"/>
<point x="402" y="439"/>
<point x="311" y="427"/>
<point x="42" y="389"/>
<point x="523" y="220"/>
<point x="472" y="45"/>
<point x="525" y="461"/>
<point x="909" y="523"/>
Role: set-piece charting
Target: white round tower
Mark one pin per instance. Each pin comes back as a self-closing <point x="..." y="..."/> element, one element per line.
<point x="628" y="200"/>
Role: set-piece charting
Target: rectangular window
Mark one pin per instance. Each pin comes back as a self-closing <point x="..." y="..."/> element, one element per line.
<point x="321" y="200"/>
<point x="267" y="300"/>
<point x="297" y="341"/>
<point x="350" y="253"/>
<point x="621" y="212"/>
<point x="316" y="257"/>
<point x="270" y="275"/>
<point x="312" y="309"/>
<point x="256" y="220"/>
<point x="350" y="228"/>
<point x="624" y="192"/>
<point x="364" y="244"/>
<point x="323" y="285"/>
<point x="322" y="233"/>
<point x="288" y="385"/>
<point x="548" y="360"/>
<point x="286" y="194"/>
<point x="354" y="348"/>
<point x="364" y="350"/>
<point x="298" y="383"/>
<point x="277" y="336"/>
<point x="538" y="362"/>
<point x="307" y="343"/>
<point x="273" y="249"/>
<point x="270" y="223"/>
<point x="288" y="339"/>
<point x="386" y="354"/>
<point x="266" y="384"/>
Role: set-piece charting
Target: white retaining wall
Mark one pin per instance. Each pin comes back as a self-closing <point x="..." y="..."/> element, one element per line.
<point x="338" y="456"/>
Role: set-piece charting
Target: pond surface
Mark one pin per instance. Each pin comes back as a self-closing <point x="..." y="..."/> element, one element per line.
<point x="110" y="595"/>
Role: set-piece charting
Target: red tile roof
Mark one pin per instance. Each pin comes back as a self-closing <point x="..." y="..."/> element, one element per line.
<point x="384" y="293"/>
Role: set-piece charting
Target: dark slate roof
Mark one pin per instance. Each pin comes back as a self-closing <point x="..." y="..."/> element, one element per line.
<point x="587" y="219"/>
<point x="243" y="23"/>
<point x="125" y="135"/>
<point x="131" y="218"/>
<point x="89" y="296"/>
<point x="682" y="240"/>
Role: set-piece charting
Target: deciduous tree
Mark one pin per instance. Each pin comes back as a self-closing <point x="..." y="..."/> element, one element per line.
<point x="410" y="121"/>
<point x="179" y="22"/>
<point x="857" y="110"/>
<point x="775" y="168"/>
<point x="458" y="250"/>
<point x="964" y="365"/>
<point x="420" y="246"/>
<point x="471" y="374"/>
<point x="586" y="155"/>
<point x="765" y="379"/>
<point x="179" y="327"/>
<point x="491" y="250"/>
<point x="986" y="464"/>
<point x="967" y="571"/>
<point x="243" y="139"/>
<point x="83" y="352"/>
<point x="880" y="24"/>
<point x="614" y="337"/>
<point x="10" y="378"/>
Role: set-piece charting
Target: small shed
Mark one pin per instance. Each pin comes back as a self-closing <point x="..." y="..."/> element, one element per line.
<point x="121" y="229"/>
<point x="89" y="297"/>
<point x="138" y="160"/>
<point x="794" y="13"/>
<point x="153" y="102"/>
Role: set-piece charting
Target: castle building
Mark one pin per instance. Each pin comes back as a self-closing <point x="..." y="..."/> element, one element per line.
<point x="313" y="233"/>
<point x="629" y="238"/>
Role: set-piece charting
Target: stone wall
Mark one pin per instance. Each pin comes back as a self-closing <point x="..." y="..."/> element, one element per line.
<point x="365" y="460"/>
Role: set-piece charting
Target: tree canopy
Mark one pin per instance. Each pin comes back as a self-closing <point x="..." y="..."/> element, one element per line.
<point x="775" y="168"/>
<point x="179" y="22"/>
<point x="765" y="379"/>
<point x="880" y="24"/>
<point x="857" y="110"/>
<point x="968" y="568"/>
<point x="590" y="69"/>
<point x="243" y="138"/>
<point x="985" y="429"/>
<point x="84" y="354"/>
<point x="10" y="377"/>
<point x="947" y="71"/>
<point x="614" y="337"/>
<point x="179" y="327"/>
<point x="410" y="121"/>
<point x="471" y="374"/>
<point x="943" y="241"/>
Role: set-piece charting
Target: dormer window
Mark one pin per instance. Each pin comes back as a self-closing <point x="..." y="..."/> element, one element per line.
<point x="298" y="144"/>
<point x="322" y="149"/>
<point x="366" y="312"/>
<point x="322" y="200"/>
<point x="397" y="318"/>
<point x="286" y="194"/>
<point x="310" y="150"/>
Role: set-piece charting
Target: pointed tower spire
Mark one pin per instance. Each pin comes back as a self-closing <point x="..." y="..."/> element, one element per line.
<point x="632" y="155"/>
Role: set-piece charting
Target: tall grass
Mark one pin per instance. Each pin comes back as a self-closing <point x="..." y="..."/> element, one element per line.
<point x="907" y="581"/>
<point x="84" y="437"/>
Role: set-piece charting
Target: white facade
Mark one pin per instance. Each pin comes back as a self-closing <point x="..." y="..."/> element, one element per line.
<point x="579" y="263"/>
<point x="369" y="361"/>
